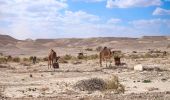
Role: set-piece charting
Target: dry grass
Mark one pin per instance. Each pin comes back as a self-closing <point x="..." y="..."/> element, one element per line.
<point x="92" y="84"/>
<point x="89" y="49"/>
<point x="67" y="57"/>
<point x="95" y="84"/>
<point x="3" y="60"/>
<point x="114" y="84"/>
<point x="16" y="59"/>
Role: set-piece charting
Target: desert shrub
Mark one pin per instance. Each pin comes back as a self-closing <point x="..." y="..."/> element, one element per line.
<point x="67" y="57"/>
<point x="99" y="48"/>
<point x="89" y="49"/>
<point x="92" y="84"/>
<point x="81" y="56"/>
<point x="114" y="84"/>
<point x="133" y="56"/>
<point x="62" y="60"/>
<point x="153" y="55"/>
<point x="45" y="59"/>
<point x="31" y="58"/>
<point x="3" y="60"/>
<point x="146" y="81"/>
<point x="94" y="56"/>
<point x="95" y="84"/>
<point x="16" y="59"/>
<point x="9" y="57"/>
<point x="26" y="59"/>
<point x="38" y="60"/>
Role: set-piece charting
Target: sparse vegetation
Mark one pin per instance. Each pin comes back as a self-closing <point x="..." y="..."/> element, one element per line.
<point x="89" y="49"/>
<point x="99" y="48"/>
<point x="146" y="81"/>
<point x="81" y="56"/>
<point x="92" y="84"/>
<point x="3" y="60"/>
<point x="62" y="60"/>
<point x="67" y="57"/>
<point x="45" y="59"/>
<point x="16" y="59"/>
<point x="31" y="58"/>
<point x="25" y="59"/>
<point x="95" y="84"/>
<point x="92" y="57"/>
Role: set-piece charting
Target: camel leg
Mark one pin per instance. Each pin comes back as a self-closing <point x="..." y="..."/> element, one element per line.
<point x="48" y="64"/>
<point x="52" y="63"/>
<point x="101" y="64"/>
<point x="106" y="62"/>
<point x="110" y="63"/>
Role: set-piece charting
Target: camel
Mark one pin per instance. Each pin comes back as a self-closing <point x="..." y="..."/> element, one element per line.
<point x="51" y="58"/>
<point x="105" y="55"/>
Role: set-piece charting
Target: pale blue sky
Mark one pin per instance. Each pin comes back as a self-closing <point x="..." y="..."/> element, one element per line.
<point x="84" y="18"/>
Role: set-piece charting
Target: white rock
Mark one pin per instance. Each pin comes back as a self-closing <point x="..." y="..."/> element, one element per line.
<point x="138" y="67"/>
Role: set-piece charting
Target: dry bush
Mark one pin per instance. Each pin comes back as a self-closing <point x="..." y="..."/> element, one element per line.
<point x="31" y="58"/>
<point x="89" y="49"/>
<point x="45" y="59"/>
<point x="3" y="60"/>
<point x="16" y="59"/>
<point x="156" y="54"/>
<point x="81" y="56"/>
<point x="92" y="84"/>
<point x="117" y="54"/>
<point x="92" y="57"/>
<point x="67" y="57"/>
<point x="25" y="59"/>
<point x="95" y="84"/>
<point x="114" y="84"/>
<point x="62" y="60"/>
<point x="99" y="48"/>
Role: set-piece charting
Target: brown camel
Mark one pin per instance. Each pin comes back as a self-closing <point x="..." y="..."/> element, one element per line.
<point x="51" y="58"/>
<point x="105" y="55"/>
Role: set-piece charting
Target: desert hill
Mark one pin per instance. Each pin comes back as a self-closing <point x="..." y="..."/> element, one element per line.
<point x="8" y="43"/>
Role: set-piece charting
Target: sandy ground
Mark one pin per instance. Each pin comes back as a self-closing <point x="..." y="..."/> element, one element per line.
<point x="40" y="83"/>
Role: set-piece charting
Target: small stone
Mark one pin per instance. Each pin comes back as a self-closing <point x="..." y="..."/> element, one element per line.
<point x="138" y="67"/>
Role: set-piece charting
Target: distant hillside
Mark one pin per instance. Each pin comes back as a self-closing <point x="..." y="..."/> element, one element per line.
<point x="6" y="39"/>
<point x="8" y="42"/>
